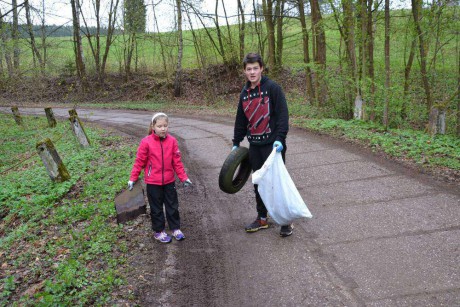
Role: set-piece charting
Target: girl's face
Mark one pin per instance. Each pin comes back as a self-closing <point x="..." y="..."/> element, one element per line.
<point x="161" y="127"/>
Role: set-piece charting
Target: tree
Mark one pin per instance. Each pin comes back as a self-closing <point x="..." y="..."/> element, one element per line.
<point x="15" y="35"/>
<point x="306" y="52"/>
<point x="180" y="46"/>
<point x="387" y="63"/>
<point x="416" y="12"/>
<point x="4" y="50"/>
<point x="267" y="8"/>
<point x="134" y="23"/>
<point x="78" y="46"/>
<point x="33" y="45"/>
<point x="347" y="33"/>
<point x="94" y="38"/>
<point x="319" y="51"/>
<point x="241" y="28"/>
<point x="279" y="14"/>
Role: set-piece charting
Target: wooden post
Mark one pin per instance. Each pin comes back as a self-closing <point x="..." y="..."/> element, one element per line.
<point x="50" y="116"/>
<point x="78" y="130"/>
<point x="53" y="163"/>
<point x="17" y="115"/>
<point x="73" y="112"/>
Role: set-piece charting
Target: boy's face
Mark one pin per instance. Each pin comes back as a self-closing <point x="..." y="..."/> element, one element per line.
<point x="253" y="73"/>
<point x="161" y="127"/>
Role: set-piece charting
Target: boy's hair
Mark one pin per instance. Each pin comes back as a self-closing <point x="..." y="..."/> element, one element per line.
<point x="252" y="58"/>
<point x="155" y="118"/>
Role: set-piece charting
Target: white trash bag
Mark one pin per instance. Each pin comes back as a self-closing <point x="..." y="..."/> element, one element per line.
<point x="278" y="191"/>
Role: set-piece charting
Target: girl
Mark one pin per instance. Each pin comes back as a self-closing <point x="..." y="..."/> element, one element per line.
<point x="158" y="154"/>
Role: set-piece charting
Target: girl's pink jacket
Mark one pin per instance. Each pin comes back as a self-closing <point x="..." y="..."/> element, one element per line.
<point x="160" y="159"/>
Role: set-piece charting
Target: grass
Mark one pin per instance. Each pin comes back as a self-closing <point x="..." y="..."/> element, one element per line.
<point x="439" y="151"/>
<point x="59" y="243"/>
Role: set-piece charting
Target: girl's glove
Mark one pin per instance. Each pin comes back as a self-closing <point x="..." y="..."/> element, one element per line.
<point x="234" y="147"/>
<point x="130" y="185"/>
<point x="187" y="183"/>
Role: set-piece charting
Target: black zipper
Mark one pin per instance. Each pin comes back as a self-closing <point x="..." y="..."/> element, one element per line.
<point x="162" y="163"/>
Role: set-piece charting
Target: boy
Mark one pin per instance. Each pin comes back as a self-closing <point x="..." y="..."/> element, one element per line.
<point x="262" y="117"/>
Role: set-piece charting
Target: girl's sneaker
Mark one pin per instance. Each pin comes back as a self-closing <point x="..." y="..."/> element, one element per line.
<point x="178" y="235"/>
<point x="162" y="237"/>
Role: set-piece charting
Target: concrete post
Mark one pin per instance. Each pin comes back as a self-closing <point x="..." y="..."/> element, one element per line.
<point x="50" y="116"/>
<point x="53" y="163"/>
<point x="78" y="130"/>
<point x="17" y="115"/>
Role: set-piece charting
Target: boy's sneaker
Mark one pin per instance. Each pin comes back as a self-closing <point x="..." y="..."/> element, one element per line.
<point x="286" y="230"/>
<point x="162" y="237"/>
<point x="178" y="235"/>
<point x="256" y="225"/>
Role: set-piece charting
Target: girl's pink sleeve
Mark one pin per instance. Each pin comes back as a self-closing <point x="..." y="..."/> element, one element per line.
<point x="141" y="160"/>
<point x="177" y="163"/>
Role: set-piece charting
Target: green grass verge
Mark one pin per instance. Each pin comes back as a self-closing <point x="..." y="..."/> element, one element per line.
<point x="59" y="242"/>
<point x="419" y="147"/>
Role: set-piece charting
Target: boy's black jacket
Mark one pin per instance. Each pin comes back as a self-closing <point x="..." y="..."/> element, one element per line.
<point x="278" y="123"/>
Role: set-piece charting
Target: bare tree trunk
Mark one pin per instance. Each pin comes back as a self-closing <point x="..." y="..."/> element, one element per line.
<point x="306" y="51"/>
<point x="279" y="12"/>
<point x="387" y="63"/>
<point x="110" y="32"/>
<point x="178" y="79"/>
<point x="95" y="50"/>
<point x="43" y="34"/>
<point x="258" y="28"/>
<point x="407" y="71"/>
<point x="319" y="54"/>
<point x="196" y="43"/>
<point x="267" y="7"/>
<point x="458" y="88"/>
<point x="370" y="57"/>
<point x="349" y="38"/>
<point x="33" y="45"/>
<point x="361" y="37"/>
<point x="416" y="8"/>
<point x="233" y="61"/>
<point x="241" y="28"/>
<point x="219" y="34"/>
<point x="15" y="36"/>
<point x="78" y="46"/>
<point x="129" y="54"/>
<point x="216" y="46"/>
<point x="162" y="52"/>
<point x="4" y="48"/>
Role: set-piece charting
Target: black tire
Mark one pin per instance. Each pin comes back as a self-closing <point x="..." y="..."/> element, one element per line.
<point x="237" y="159"/>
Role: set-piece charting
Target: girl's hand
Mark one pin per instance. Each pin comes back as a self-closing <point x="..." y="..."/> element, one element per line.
<point x="187" y="183"/>
<point x="130" y="185"/>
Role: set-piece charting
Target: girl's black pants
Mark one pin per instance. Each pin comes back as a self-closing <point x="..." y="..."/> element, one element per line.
<point x="167" y="195"/>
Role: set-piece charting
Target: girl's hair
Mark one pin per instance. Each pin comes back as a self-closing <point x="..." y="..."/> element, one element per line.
<point x="155" y="118"/>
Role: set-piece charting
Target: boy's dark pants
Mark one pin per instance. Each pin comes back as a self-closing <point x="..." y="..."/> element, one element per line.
<point x="257" y="157"/>
<point x="167" y="195"/>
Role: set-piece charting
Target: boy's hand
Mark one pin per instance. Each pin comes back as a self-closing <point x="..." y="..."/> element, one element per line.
<point x="187" y="183"/>
<point x="278" y="145"/>
<point x="130" y="185"/>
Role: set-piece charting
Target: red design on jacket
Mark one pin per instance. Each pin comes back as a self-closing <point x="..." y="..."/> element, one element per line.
<point x="160" y="159"/>
<point x="257" y="111"/>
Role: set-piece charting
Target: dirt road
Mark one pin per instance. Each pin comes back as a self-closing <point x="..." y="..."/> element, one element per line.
<point x="381" y="235"/>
